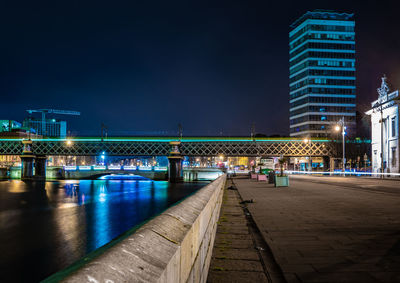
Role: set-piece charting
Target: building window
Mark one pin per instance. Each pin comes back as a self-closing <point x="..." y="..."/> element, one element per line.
<point x="393" y="126"/>
<point x="394" y="159"/>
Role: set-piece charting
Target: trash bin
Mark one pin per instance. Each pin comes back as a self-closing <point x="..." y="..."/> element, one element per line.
<point x="271" y="177"/>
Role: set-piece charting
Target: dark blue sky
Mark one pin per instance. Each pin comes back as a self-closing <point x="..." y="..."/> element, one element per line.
<point x="147" y="66"/>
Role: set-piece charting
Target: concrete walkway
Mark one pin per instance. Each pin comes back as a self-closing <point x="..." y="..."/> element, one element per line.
<point x="240" y="254"/>
<point x="329" y="230"/>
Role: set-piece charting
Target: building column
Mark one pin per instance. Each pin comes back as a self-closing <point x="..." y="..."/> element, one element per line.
<point x="40" y="167"/>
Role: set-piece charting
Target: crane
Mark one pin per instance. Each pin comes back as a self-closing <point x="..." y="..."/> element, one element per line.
<point x="51" y="111"/>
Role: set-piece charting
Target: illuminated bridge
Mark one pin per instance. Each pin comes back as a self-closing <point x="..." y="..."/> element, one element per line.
<point x="35" y="151"/>
<point x="160" y="146"/>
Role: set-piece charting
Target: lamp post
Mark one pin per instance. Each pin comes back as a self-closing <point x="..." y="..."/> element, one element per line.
<point x="341" y="126"/>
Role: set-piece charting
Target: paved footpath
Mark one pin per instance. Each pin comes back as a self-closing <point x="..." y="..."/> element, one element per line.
<point x="329" y="230"/>
<point x="240" y="253"/>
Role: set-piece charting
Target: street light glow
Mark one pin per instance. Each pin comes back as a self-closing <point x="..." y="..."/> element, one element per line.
<point x="69" y="142"/>
<point x="305" y="140"/>
<point x="337" y="128"/>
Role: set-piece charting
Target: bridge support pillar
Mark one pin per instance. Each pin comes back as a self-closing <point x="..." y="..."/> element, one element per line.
<point x="40" y="167"/>
<point x="326" y="160"/>
<point x="27" y="167"/>
<point x="27" y="159"/>
<point x="175" y="171"/>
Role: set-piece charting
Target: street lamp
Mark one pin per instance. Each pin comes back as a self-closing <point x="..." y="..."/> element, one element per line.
<point x="308" y="141"/>
<point x="341" y="126"/>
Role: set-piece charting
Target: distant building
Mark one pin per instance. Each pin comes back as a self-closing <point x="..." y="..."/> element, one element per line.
<point x="14" y="129"/>
<point x="322" y="73"/>
<point x="385" y="136"/>
<point x="52" y="127"/>
<point x="9" y="125"/>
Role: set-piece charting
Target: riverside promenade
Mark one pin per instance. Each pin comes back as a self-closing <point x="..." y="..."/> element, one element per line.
<point x="240" y="254"/>
<point x="329" y="229"/>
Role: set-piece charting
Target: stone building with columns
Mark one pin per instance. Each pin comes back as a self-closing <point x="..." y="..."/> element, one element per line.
<point x="385" y="130"/>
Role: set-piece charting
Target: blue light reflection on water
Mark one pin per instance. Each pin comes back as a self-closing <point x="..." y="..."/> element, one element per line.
<point x="116" y="203"/>
<point x="47" y="226"/>
<point x="123" y="177"/>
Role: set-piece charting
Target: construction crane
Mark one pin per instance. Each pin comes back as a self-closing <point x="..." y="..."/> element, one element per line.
<point x="51" y="111"/>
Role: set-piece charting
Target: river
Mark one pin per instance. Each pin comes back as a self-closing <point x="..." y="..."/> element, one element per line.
<point x="46" y="226"/>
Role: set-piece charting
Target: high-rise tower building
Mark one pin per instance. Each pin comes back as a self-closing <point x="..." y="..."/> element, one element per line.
<point x="322" y="73"/>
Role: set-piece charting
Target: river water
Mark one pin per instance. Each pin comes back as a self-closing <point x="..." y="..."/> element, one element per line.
<point x="44" y="227"/>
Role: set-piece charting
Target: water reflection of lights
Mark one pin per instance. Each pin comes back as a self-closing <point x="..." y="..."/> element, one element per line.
<point x="68" y="205"/>
<point x="123" y="177"/>
<point x="102" y="197"/>
<point x="17" y="187"/>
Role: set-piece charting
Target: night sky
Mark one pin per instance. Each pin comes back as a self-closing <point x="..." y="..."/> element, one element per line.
<point x="144" y="67"/>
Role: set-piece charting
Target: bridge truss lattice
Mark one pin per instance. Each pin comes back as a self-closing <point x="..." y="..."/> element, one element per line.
<point x="161" y="148"/>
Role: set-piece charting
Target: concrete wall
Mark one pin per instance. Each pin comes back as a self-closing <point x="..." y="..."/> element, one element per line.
<point x="57" y="172"/>
<point x="154" y="175"/>
<point x="51" y="172"/>
<point x="176" y="246"/>
<point x="54" y="172"/>
<point x="201" y="174"/>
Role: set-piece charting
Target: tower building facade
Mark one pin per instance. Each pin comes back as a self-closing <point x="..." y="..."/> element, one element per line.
<point x="322" y="73"/>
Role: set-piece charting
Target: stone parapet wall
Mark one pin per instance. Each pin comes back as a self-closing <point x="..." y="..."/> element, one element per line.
<point x="176" y="246"/>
